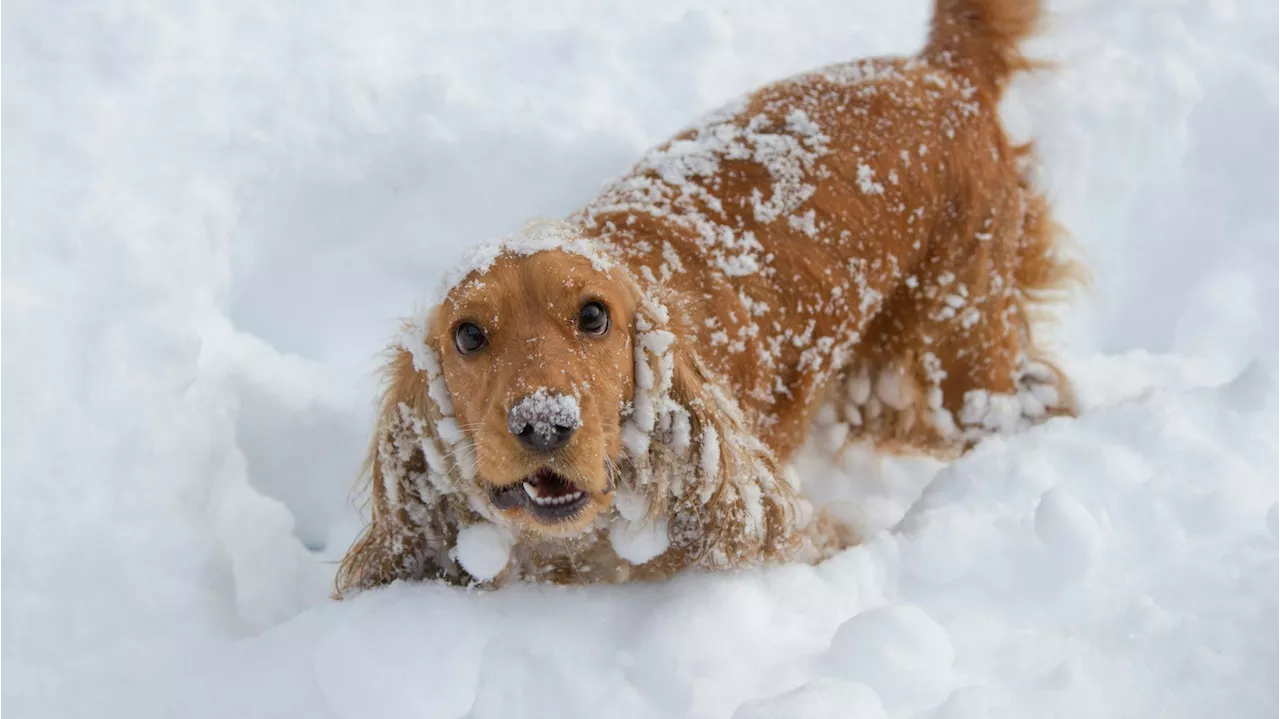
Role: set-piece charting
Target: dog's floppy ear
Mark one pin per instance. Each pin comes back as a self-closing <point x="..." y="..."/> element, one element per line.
<point x="416" y="457"/>
<point x="695" y="459"/>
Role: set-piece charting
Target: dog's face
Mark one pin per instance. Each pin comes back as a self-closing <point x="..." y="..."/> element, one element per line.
<point x="536" y="352"/>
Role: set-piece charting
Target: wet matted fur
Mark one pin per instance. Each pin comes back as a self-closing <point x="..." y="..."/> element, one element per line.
<point x="858" y="247"/>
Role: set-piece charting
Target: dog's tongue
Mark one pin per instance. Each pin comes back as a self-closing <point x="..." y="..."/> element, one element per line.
<point x="549" y="484"/>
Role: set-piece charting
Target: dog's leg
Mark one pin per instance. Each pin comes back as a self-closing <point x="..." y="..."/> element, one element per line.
<point x="892" y="394"/>
<point x="952" y="357"/>
<point x="973" y="308"/>
<point x="998" y="380"/>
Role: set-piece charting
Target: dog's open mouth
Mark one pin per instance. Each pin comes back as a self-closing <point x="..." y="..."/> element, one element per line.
<point x="546" y="495"/>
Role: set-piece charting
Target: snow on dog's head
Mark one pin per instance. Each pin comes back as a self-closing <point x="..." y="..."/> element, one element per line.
<point x="542" y="379"/>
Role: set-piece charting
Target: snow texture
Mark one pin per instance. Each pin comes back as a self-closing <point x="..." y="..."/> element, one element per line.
<point x="215" y="209"/>
<point x="538" y="235"/>
<point x="545" y="412"/>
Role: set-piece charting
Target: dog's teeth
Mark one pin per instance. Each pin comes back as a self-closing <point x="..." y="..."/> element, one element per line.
<point x="551" y="501"/>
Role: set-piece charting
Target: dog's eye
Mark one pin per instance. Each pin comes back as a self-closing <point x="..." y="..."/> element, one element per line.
<point x="593" y="319"/>
<point x="469" y="338"/>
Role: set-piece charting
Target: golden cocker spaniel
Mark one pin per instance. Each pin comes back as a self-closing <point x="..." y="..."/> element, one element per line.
<point x="616" y="396"/>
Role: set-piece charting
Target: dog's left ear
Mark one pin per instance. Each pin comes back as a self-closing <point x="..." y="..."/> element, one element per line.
<point x="694" y="457"/>
<point x="414" y="461"/>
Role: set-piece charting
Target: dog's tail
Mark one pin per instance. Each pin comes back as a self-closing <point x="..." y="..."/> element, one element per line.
<point x="979" y="38"/>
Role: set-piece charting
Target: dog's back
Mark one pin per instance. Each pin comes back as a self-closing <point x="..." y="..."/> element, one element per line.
<point x="864" y="226"/>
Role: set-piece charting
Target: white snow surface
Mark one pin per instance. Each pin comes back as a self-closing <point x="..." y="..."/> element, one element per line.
<point x="214" y="212"/>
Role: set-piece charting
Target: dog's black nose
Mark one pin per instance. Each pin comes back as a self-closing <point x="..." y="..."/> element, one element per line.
<point x="545" y="438"/>
<point x="544" y="422"/>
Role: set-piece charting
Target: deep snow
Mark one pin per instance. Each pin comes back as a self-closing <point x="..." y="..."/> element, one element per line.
<point x="213" y="215"/>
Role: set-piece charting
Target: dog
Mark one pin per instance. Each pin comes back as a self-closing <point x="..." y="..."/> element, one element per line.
<point x="615" y="396"/>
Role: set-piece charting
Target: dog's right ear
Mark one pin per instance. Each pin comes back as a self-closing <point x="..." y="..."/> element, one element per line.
<point x="412" y="470"/>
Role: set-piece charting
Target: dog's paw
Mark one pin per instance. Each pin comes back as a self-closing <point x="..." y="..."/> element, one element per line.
<point x="889" y="405"/>
<point x="1039" y="395"/>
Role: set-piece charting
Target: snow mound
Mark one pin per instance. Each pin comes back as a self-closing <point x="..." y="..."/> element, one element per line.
<point x="1083" y="566"/>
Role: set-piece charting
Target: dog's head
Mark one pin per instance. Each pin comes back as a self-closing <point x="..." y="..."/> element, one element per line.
<point x="536" y="351"/>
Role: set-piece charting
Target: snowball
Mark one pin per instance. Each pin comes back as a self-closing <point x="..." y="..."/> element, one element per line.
<point x="638" y="542"/>
<point x="1046" y="394"/>
<point x="867" y="182"/>
<point x="635" y="439"/>
<point x="892" y="387"/>
<point x="752" y="507"/>
<point x="465" y="457"/>
<point x="681" y="430"/>
<point x="391" y="478"/>
<point x="1003" y="413"/>
<point x="483" y="549"/>
<point x="710" y="459"/>
<point x="449" y="431"/>
<point x="413" y="339"/>
<point x="859" y="388"/>
<point x="642" y="413"/>
<point x="632" y="505"/>
<point x="439" y="392"/>
<point x="435" y="460"/>
<point x="836" y="435"/>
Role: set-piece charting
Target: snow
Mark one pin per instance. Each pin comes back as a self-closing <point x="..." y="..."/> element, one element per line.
<point x="484" y="549"/>
<point x="538" y="235"/>
<point x="638" y="542"/>
<point x="215" y="214"/>
<point x="867" y="182"/>
<point x="818" y="699"/>
<point x="545" y="411"/>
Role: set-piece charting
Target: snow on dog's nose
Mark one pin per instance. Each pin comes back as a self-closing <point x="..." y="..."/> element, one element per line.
<point x="544" y="422"/>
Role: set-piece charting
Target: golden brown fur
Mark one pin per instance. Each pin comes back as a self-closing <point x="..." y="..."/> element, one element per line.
<point x="863" y="236"/>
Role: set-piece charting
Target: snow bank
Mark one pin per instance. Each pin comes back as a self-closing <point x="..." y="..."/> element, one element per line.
<point x="1119" y="565"/>
<point x="213" y="217"/>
